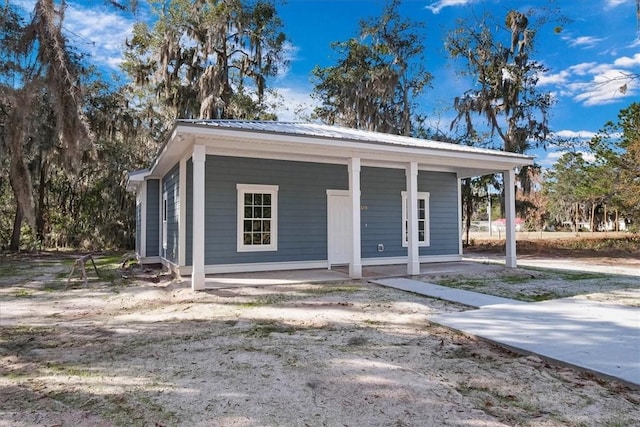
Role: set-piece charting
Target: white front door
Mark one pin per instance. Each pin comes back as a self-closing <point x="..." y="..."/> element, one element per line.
<point x="338" y="227"/>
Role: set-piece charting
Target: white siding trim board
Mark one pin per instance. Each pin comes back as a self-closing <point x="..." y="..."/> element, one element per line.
<point x="199" y="223"/>
<point x="308" y="265"/>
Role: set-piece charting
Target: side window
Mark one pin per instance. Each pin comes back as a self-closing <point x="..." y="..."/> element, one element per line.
<point x="423" y="219"/>
<point x="257" y="217"/>
<point x="164" y="220"/>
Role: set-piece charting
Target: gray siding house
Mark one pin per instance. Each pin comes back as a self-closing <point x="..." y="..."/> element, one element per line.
<point x="231" y="196"/>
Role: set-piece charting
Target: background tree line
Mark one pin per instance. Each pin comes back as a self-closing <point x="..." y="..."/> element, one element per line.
<point x="68" y="135"/>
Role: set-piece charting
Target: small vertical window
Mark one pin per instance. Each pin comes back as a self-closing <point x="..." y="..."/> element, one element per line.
<point x="423" y="219"/>
<point x="257" y="217"/>
<point x="164" y="221"/>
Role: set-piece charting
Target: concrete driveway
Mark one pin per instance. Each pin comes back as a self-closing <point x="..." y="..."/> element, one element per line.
<point x="599" y="337"/>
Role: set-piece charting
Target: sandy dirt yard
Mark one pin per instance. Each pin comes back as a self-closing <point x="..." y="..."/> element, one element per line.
<point x="146" y="351"/>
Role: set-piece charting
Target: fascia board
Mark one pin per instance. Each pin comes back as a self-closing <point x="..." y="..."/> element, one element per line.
<point x="329" y="150"/>
<point x="243" y="134"/>
<point x="135" y="178"/>
<point x="379" y="156"/>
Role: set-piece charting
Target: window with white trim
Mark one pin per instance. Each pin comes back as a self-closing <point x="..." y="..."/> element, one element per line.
<point x="164" y="220"/>
<point x="423" y="219"/>
<point x="257" y="217"/>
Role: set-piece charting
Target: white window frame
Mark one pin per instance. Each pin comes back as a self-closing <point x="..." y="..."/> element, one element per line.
<point x="272" y="190"/>
<point x="427" y="219"/>
<point x="165" y="214"/>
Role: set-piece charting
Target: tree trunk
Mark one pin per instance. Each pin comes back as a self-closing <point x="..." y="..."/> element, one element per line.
<point x="19" y="178"/>
<point x="576" y="213"/>
<point x="592" y="220"/>
<point x="467" y="202"/>
<point x="40" y="208"/>
<point x="15" y="236"/>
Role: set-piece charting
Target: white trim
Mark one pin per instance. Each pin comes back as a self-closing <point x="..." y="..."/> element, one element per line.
<point x="337" y="192"/>
<point x="315" y="157"/>
<point x="371" y="146"/>
<point x="143" y="220"/>
<point x="355" y="266"/>
<point x="459" y="203"/>
<point x="151" y="260"/>
<point x="159" y="207"/>
<point x="306" y="265"/>
<point x="375" y="142"/>
<point x="257" y="267"/>
<point x="182" y="212"/>
<point x="427" y="259"/>
<point x="427" y="231"/>
<point x="164" y="221"/>
<point x="137" y="178"/>
<point x="509" y="179"/>
<point x="272" y="190"/>
<point x="198" y="217"/>
<point x="412" y="222"/>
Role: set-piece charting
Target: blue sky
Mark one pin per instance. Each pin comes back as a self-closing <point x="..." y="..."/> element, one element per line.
<point x="587" y="60"/>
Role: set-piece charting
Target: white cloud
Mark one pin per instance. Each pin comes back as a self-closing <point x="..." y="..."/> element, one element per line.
<point x="554" y="79"/>
<point x="616" y="3"/>
<point x="98" y="31"/>
<point x="593" y="83"/>
<point x="572" y="134"/>
<point x="441" y="4"/>
<point x="290" y="53"/>
<point x="627" y="62"/>
<point x="584" y="41"/>
<point x="605" y="87"/>
<point x="583" y="68"/>
<point x="296" y="103"/>
<point x="552" y="157"/>
<point x="94" y="29"/>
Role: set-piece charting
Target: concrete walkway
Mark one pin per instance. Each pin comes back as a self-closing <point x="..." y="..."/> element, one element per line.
<point x="599" y="337"/>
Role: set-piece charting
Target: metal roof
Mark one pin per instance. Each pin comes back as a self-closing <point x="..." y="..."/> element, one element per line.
<point x="341" y="133"/>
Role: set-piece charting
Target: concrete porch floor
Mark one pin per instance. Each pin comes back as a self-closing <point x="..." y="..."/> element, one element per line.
<point x="341" y="273"/>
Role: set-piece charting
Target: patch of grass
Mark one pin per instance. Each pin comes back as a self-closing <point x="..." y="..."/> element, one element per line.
<point x="23" y="293"/>
<point x="264" y="300"/>
<point x="73" y="371"/>
<point x="462" y="283"/>
<point x="326" y="290"/>
<point x="262" y="330"/>
<point x="132" y="408"/>
<point x="506" y="407"/>
<point x="543" y="296"/>
<point x="10" y="269"/>
<point x="357" y="341"/>
<point x="54" y="285"/>
<point x="105" y="260"/>
<point x="618" y="423"/>
<point x="575" y="276"/>
<point x="517" y="279"/>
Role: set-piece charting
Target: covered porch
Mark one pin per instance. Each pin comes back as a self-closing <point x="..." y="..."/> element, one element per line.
<point x="291" y="277"/>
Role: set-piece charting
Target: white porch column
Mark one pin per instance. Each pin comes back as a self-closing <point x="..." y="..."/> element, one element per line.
<point x="143" y="219"/>
<point x="355" y="267"/>
<point x="413" y="254"/>
<point x="460" y="247"/>
<point x="197" y="275"/>
<point x="510" y="215"/>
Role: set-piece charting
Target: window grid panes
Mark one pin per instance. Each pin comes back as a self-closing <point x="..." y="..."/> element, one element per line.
<point x="257" y="219"/>
<point x="423" y="219"/>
